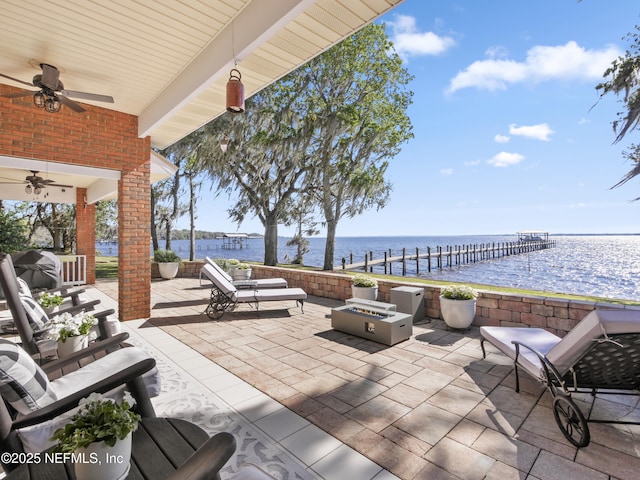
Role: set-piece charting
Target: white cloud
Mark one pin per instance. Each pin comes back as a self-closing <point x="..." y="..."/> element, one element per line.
<point x="497" y="52"/>
<point x="446" y="171"/>
<point x="539" y="132"/>
<point x="566" y="62"/>
<point x="501" y="138"/>
<point x="408" y="41"/>
<point x="505" y="159"/>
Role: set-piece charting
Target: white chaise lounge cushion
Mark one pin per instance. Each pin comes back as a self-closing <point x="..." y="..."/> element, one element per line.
<point x="219" y="281"/>
<point x="259" y="283"/>
<point x="271" y="294"/>
<point x="563" y="353"/>
<point x="537" y="338"/>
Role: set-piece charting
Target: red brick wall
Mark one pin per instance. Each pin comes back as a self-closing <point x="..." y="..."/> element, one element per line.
<point x="97" y="138"/>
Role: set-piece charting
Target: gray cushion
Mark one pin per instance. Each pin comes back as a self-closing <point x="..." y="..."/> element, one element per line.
<point x="35" y="314"/>
<point x="22" y="382"/>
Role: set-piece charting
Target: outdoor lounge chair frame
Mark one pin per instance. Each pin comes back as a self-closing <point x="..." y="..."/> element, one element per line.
<point x="225" y="296"/>
<point x="261" y="283"/>
<point x="609" y="366"/>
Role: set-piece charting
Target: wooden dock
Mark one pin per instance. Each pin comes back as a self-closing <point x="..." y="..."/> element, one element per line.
<point x="448" y="256"/>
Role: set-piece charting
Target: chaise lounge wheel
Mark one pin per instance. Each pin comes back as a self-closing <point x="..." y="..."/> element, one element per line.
<point x="215" y="311"/>
<point x="571" y="421"/>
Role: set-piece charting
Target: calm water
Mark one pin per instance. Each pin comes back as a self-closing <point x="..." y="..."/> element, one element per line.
<point x="600" y="265"/>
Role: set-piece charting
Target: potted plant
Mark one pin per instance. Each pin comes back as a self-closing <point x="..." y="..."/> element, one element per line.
<point x="168" y="263"/>
<point x="50" y="302"/>
<point x="242" y="272"/>
<point x="232" y="263"/>
<point x="458" y="305"/>
<point x="99" y="435"/>
<point x="71" y="331"/>
<point x="223" y="263"/>
<point x="364" y="286"/>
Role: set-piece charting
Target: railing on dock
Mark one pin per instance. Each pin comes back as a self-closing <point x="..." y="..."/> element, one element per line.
<point x="451" y="255"/>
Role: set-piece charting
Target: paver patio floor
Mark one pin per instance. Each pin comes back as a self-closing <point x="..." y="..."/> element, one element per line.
<point x="427" y="408"/>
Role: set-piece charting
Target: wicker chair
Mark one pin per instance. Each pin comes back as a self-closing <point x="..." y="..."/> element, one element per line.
<point x="601" y="355"/>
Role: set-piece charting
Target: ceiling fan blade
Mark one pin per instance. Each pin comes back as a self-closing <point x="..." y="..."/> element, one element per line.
<point x="71" y="104"/>
<point x="87" y="96"/>
<point x="50" y="76"/>
<point x="58" y="185"/>
<point x="16" y="80"/>
<point x="16" y="95"/>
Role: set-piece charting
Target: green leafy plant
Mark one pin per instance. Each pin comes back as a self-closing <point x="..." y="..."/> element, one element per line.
<point x="362" y="280"/>
<point x="223" y="263"/>
<point x="99" y="419"/>
<point x="232" y="262"/>
<point x="243" y="266"/>
<point x="166" y="256"/>
<point x="458" y="292"/>
<point x="48" y="300"/>
<point x="66" y="325"/>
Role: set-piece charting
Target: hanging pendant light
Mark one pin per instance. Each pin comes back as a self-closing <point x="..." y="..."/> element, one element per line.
<point x="235" y="92"/>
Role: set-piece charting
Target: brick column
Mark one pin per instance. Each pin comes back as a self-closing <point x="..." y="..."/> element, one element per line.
<point x="134" y="235"/>
<point x="86" y="232"/>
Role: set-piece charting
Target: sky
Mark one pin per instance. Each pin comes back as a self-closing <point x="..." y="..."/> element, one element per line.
<point x="509" y="131"/>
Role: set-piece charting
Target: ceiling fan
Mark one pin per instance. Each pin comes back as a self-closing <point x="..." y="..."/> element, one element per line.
<point x="52" y="93"/>
<point x="36" y="183"/>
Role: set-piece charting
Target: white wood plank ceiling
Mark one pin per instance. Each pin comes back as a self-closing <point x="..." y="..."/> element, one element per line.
<point x="167" y="61"/>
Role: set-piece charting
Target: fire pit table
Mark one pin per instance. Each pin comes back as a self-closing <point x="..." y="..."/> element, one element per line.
<point x="376" y="321"/>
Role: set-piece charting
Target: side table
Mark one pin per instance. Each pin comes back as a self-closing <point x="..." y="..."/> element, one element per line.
<point x="159" y="447"/>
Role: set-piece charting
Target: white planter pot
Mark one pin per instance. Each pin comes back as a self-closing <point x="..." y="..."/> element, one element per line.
<point x="458" y="313"/>
<point x="101" y="462"/>
<point x="241" y="274"/>
<point x="366" y="293"/>
<point x="50" y="310"/>
<point x="168" y="270"/>
<point x="72" y="344"/>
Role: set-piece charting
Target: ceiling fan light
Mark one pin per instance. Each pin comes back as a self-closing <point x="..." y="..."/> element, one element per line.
<point x="38" y="99"/>
<point x="28" y="189"/>
<point x="37" y="190"/>
<point x="52" y="104"/>
<point x="235" y="92"/>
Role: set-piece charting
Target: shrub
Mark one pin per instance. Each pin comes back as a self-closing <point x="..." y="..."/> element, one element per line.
<point x="361" y="280"/>
<point x="166" y="256"/>
<point x="458" y="292"/>
<point x="13" y="233"/>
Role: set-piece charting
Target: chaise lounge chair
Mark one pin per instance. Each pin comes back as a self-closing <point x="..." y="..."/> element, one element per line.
<point x="225" y="296"/>
<point x="600" y="355"/>
<point x="260" y="283"/>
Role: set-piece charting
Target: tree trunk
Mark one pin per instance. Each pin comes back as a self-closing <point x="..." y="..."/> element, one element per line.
<point x="192" y="222"/>
<point x="330" y="245"/>
<point x="271" y="242"/>
<point x="154" y="231"/>
<point x="167" y="231"/>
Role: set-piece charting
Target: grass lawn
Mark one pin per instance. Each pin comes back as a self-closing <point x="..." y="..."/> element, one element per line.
<point x="106" y="267"/>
